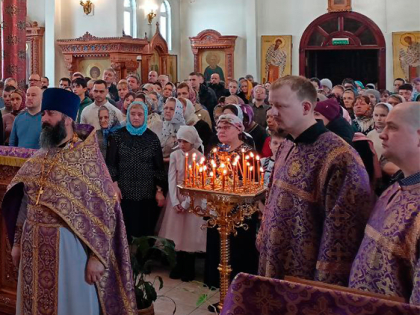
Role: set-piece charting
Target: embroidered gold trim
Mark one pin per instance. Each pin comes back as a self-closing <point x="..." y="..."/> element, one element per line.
<point x="398" y="249"/>
<point x="329" y="159"/>
<point x="72" y="199"/>
<point x="327" y="266"/>
<point x="294" y="190"/>
<point x="78" y="175"/>
<point x="57" y="269"/>
<point x="120" y="284"/>
<point x="35" y="269"/>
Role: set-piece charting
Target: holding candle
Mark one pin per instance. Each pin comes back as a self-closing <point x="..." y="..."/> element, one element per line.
<point x="190" y="237"/>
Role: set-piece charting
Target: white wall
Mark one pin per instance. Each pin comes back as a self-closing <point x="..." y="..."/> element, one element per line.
<point x="247" y="19"/>
<point x="226" y="17"/>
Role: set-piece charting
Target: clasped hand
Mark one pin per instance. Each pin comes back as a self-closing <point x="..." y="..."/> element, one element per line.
<point x="94" y="270"/>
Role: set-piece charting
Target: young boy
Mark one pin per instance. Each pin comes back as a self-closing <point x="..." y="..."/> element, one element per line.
<point x="79" y="88"/>
<point x="277" y="137"/>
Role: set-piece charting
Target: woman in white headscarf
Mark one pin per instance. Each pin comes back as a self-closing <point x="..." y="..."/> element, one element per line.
<point x="173" y="115"/>
<point x="179" y="225"/>
<point x="191" y="119"/>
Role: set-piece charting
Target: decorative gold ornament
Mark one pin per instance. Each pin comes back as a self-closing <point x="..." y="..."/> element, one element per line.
<point x="231" y="191"/>
<point x="87" y="6"/>
<point x="150" y="17"/>
<point x="227" y="212"/>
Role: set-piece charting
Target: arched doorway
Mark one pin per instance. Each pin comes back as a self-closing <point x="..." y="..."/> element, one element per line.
<point x="361" y="58"/>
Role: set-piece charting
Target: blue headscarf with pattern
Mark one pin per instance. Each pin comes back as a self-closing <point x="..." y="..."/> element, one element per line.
<point x="139" y="130"/>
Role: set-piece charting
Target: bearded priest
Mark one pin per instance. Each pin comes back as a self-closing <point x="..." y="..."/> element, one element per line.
<point x="64" y="223"/>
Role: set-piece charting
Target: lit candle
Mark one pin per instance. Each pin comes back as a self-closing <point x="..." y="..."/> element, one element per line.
<point x="258" y="168"/>
<point x="239" y="165"/>
<point x="191" y="177"/>
<point x="205" y="176"/>
<point x="243" y="167"/>
<point x="223" y="180"/>
<point x="202" y="177"/>
<point x="253" y="167"/>
<point x="212" y="180"/>
<point x="186" y="169"/>
<point x="262" y="177"/>
<point x="251" y="171"/>
<point x="214" y="153"/>
<point x="234" y="176"/>
<point x="193" y="168"/>
<point x="248" y="172"/>
<point x="213" y="165"/>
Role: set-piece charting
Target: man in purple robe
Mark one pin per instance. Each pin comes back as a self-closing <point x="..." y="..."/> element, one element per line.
<point x="319" y="194"/>
<point x="66" y="228"/>
<point x="388" y="261"/>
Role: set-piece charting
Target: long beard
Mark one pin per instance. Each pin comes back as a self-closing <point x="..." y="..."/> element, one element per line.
<point x="52" y="136"/>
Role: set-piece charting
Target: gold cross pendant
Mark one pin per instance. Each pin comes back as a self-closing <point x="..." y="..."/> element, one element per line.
<point x="40" y="192"/>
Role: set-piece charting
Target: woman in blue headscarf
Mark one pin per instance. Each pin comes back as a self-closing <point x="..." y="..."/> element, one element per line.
<point x="135" y="162"/>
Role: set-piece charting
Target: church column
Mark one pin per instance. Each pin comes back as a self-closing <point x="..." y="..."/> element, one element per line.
<point x="14" y="40"/>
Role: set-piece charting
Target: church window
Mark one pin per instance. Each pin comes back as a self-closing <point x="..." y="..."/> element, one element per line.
<point x="165" y="22"/>
<point x="130" y="27"/>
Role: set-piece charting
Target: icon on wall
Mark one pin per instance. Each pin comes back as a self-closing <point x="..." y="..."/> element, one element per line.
<point x="276" y="57"/>
<point x="406" y="55"/>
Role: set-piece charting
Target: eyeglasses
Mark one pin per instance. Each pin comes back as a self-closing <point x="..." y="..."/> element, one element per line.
<point x="223" y="128"/>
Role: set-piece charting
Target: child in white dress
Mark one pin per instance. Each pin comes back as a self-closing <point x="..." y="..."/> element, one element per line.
<point x="178" y="224"/>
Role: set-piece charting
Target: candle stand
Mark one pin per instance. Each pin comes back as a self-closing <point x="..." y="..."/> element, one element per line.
<point x="227" y="212"/>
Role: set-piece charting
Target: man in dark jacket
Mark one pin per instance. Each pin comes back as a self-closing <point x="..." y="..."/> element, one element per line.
<point x="217" y="86"/>
<point x="206" y="95"/>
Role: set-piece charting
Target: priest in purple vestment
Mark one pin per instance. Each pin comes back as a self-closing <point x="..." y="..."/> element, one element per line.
<point x="64" y="222"/>
<point x="319" y="194"/>
<point x="388" y="261"/>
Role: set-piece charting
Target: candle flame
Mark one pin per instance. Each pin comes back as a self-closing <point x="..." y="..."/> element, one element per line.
<point x="261" y="170"/>
<point x="222" y="165"/>
<point x="205" y="168"/>
<point x="211" y="174"/>
<point x="243" y="150"/>
<point x="258" y="157"/>
<point x="247" y="157"/>
<point x="252" y="154"/>
<point x="186" y="154"/>
<point x="224" y="172"/>
<point x="251" y="168"/>
<point x="200" y="169"/>
<point x="190" y="167"/>
<point x="247" y="164"/>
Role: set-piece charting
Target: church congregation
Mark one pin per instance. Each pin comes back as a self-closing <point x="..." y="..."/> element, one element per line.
<point x="100" y="153"/>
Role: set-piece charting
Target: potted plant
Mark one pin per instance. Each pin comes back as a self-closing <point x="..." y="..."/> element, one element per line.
<point x="145" y="251"/>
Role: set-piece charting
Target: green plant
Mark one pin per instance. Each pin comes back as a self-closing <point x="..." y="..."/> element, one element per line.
<point x="145" y="251"/>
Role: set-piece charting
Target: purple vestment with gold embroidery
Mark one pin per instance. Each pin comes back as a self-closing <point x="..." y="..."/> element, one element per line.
<point x="316" y="211"/>
<point x="78" y="195"/>
<point x="388" y="261"/>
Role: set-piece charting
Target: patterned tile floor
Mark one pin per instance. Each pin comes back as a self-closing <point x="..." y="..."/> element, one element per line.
<point x="183" y="295"/>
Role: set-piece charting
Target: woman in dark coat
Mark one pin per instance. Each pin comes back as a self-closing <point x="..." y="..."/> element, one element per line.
<point x="135" y="162"/>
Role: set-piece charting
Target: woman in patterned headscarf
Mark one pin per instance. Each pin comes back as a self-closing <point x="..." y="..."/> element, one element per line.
<point x="173" y="115"/>
<point x="135" y="163"/>
<point x="258" y="133"/>
<point x="109" y="123"/>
